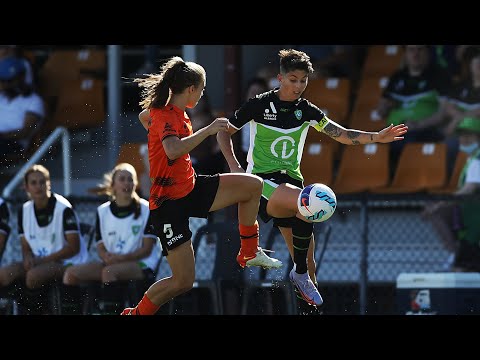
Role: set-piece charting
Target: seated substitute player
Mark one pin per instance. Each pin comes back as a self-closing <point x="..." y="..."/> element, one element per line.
<point x="49" y="232"/>
<point x="279" y="122"/>
<point x="126" y="247"/>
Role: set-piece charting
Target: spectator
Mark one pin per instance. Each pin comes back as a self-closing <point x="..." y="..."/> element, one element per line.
<point x="413" y="94"/>
<point x="457" y="222"/>
<point x="16" y="51"/>
<point x="125" y="244"/>
<point x="21" y="109"/>
<point x="50" y="236"/>
<point x="463" y="101"/>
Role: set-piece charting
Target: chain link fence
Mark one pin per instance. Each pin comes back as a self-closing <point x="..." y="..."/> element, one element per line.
<point x="372" y="240"/>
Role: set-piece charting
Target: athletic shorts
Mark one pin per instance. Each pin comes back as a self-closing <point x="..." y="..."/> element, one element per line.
<point x="171" y="220"/>
<point x="270" y="183"/>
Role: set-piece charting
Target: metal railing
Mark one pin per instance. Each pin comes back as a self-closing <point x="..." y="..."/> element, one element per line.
<point x="59" y="132"/>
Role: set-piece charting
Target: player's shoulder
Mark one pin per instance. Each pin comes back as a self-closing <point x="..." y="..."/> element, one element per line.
<point x="260" y="99"/>
<point x="106" y="204"/>
<point x="144" y="203"/>
<point x="62" y="200"/>
<point x="307" y="105"/>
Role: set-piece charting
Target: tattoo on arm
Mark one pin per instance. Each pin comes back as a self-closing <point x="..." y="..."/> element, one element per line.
<point x="332" y="130"/>
<point x="353" y="135"/>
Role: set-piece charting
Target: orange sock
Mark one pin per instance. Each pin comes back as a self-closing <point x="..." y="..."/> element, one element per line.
<point x="249" y="238"/>
<point x="146" y="306"/>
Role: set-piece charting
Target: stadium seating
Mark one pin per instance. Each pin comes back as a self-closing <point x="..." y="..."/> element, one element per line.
<point x="65" y="65"/>
<point x="453" y="181"/>
<point x="364" y="117"/>
<point x="362" y="168"/>
<point x="317" y="162"/>
<point x="81" y="104"/>
<point x="332" y="95"/>
<point x="421" y="167"/>
<point x="382" y="60"/>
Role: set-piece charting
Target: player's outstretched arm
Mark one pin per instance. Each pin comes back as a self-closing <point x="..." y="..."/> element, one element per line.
<point x="358" y="137"/>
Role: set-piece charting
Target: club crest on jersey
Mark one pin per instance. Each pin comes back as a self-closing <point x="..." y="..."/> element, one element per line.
<point x="298" y="114"/>
<point x="135" y="229"/>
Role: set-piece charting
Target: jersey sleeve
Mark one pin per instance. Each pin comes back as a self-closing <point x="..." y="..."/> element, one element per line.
<point x="4" y="219"/>
<point x="70" y="222"/>
<point x="318" y="118"/>
<point x="163" y="125"/>
<point x="244" y="114"/>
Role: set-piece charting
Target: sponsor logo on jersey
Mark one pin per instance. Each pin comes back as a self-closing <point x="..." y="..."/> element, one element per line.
<point x="270" y="116"/>
<point x="286" y="147"/>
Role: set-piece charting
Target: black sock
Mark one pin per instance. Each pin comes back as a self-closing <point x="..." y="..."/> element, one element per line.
<point x="302" y="233"/>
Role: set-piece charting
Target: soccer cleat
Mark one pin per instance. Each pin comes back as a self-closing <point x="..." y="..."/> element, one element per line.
<point x="130" y="311"/>
<point x="306" y="288"/>
<point x="258" y="259"/>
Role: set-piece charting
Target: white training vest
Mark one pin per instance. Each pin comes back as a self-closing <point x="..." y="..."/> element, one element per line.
<point x="51" y="238"/>
<point x="125" y="235"/>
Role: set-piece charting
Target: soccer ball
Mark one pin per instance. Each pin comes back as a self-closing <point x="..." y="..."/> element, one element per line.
<point x="317" y="202"/>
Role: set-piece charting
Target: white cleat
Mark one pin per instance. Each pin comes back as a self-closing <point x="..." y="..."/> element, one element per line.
<point x="263" y="260"/>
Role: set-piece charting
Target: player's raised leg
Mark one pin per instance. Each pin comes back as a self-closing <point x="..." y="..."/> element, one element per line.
<point x="246" y="190"/>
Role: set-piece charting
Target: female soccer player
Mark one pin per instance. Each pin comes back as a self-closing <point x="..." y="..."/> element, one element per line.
<point x="127" y="248"/>
<point x="178" y="192"/>
<point x="49" y="233"/>
<point x="279" y="121"/>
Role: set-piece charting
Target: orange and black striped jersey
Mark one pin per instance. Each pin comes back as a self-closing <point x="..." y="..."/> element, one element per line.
<point x="171" y="179"/>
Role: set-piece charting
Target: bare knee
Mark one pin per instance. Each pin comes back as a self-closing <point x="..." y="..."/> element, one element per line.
<point x="256" y="185"/>
<point x="69" y="277"/>
<point x="108" y="275"/>
<point x="32" y="281"/>
<point x="182" y="284"/>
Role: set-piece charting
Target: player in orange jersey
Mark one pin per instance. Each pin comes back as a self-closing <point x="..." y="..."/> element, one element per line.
<point x="178" y="192"/>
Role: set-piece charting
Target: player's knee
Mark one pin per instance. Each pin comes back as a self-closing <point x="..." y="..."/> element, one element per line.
<point x="256" y="184"/>
<point x="183" y="284"/>
<point x="69" y="278"/>
<point x="32" y="281"/>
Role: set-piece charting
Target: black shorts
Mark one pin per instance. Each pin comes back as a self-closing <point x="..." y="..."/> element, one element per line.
<point x="171" y="220"/>
<point x="277" y="178"/>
